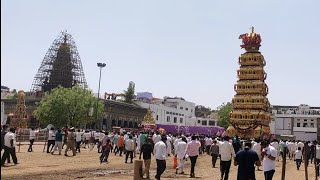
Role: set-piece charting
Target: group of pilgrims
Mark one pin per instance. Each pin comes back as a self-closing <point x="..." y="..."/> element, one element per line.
<point x="247" y="154"/>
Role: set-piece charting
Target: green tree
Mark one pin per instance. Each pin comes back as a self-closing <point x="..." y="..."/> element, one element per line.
<point x="223" y="113"/>
<point x="68" y="106"/>
<point x="129" y="93"/>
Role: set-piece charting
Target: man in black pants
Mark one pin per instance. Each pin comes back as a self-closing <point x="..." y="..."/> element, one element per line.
<point x="3" y="133"/>
<point x="226" y="154"/>
<point x="160" y="151"/>
<point x="9" y="147"/>
<point x="193" y="153"/>
<point x="51" y="140"/>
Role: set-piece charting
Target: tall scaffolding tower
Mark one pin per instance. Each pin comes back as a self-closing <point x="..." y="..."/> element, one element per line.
<point x="60" y="66"/>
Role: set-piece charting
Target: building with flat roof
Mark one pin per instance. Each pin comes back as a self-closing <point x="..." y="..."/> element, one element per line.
<point x="301" y="121"/>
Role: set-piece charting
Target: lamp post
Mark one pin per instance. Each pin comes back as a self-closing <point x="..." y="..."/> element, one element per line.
<point x="100" y="65"/>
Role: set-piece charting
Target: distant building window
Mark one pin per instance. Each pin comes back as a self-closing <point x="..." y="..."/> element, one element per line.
<point x="157" y="117"/>
<point x="175" y="119"/>
<point x="204" y="123"/>
<point x="198" y="121"/>
<point x="182" y="114"/>
<point x="187" y="109"/>
<point x="168" y="118"/>
<point x="181" y="120"/>
<point x="298" y="124"/>
<point x="312" y="119"/>
<point x="312" y="125"/>
<point x="191" y="110"/>
<point x="170" y="112"/>
<point x="167" y="112"/>
<point x="181" y="108"/>
<point x="212" y="123"/>
<point x="305" y="120"/>
<point x="305" y="124"/>
<point x="179" y="114"/>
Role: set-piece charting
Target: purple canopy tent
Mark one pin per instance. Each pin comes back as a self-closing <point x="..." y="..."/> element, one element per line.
<point x="191" y="129"/>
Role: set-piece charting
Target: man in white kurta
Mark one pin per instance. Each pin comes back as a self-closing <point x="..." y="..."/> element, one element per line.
<point x="169" y="146"/>
<point x="180" y="154"/>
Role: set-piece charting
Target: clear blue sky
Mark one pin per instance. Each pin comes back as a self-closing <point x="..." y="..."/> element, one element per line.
<point x="178" y="48"/>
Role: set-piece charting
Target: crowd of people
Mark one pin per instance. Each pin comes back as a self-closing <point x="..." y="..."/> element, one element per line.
<point x="247" y="154"/>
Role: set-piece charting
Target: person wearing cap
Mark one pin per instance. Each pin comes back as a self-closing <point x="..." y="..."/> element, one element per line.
<point x="160" y="151"/>
<point x="269" y="155"/>
<point x="245" y="160"/>
<point x="70" y="144"/>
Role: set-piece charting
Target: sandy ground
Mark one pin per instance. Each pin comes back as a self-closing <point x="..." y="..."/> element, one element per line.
<point x="85" y="165"/>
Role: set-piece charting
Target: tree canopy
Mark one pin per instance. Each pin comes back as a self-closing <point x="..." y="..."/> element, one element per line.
<point x="201" y="111"/>
<point x="223" y="113"/>
<point x="68" y="106"/>
<point x="129" y="93"/>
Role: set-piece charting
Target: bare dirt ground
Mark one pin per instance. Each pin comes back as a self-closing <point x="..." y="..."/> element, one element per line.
<point x="86" y="165"/>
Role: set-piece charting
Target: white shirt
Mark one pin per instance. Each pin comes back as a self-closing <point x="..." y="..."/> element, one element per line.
<point x="129" y="145"/>
<point x="88" y="135"/>
<point x="7" y="139"/>
<point x="181" y="149"/>
<point x="293" y="147"/>
<point x="318" y="151"/>
<point x="97" y="135"/>
<point x="156" y="138"/>
<point x="257" y="148"/>
<point x="298" y="154"/>
<point x="275" y="145"/>
<point x="51" y="135"/>
<point x="78" y="136"/>
<point x="208" y="141"/>
<point x="33" y="134"/>
<point x="160" y="150"/>
<point x="226" y="151"/>
<point x="269" y="164"/>
<point x="301" y="145"/>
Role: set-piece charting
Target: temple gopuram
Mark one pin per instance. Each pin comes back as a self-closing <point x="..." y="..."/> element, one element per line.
<point x="250" y="116"/>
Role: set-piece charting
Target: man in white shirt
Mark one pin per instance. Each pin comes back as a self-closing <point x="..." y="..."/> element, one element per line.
<point x="160" y="151"/>
<point x="275" y="144"/>
<point x="78" y="140"/>
<point x="169" y="147"/>
<point x="226" y="152"/>
<point x="317" y="158"/>
<point x="129" y="145"/>
<point x="208" y="144"/>
<point x="32" y="137"/>
<point x="269" y="154"/>
<point x="193" y="153"/>
<point x="180" y="153"/>
<point x="156" y="137"/>
<point x="9" y="147"/>
<point x="257" y="148"/>
<point x="51" y="139"/>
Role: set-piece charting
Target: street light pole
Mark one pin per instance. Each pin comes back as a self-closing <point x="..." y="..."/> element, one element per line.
<point x="100" y="65"/>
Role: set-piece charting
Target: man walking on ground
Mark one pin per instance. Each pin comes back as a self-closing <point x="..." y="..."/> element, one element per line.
<point x="58" y="142"/>
<point x="214" y="152"/>
<point x="193" y="153"/>
<point x="3" y="133"/>
<point x="129" y="145"/>
<point x="181" y="154"/>
<point x="257" y="148"/>
<point x="32" y="137"/>
<point x="146" y="150"/>
<point x="227" y="152"/>
<point x="9" y="147"/>
<point x="120" y="145"/>
<point x="51" y="140"/>
<point x="269" y="155"/>
<point x="70" y="144"/>
<point x="245" y="160"/>
<point x="160" y="151"/>
<point x="78" y="140"/>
